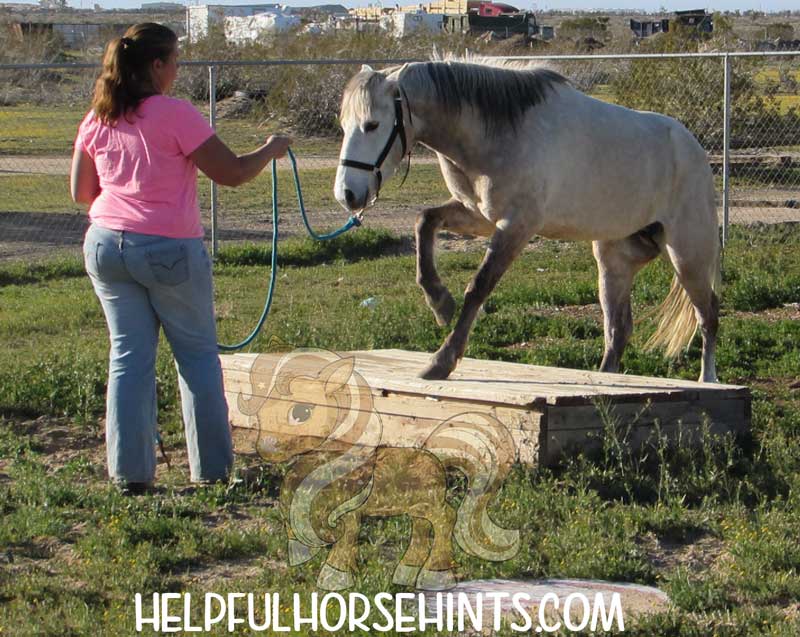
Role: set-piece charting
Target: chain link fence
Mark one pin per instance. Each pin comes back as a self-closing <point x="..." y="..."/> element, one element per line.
<point x="744" y="109"/>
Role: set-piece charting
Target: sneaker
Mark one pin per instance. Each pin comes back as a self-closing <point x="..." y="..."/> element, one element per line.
<point x="135" y="488"/>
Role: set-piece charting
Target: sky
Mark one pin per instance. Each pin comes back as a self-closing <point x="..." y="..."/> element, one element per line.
<point x="542" y="5"/>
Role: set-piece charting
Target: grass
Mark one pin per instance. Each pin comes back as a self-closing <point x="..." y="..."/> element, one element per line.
<point x="317" y="187"/>
<point x="39" y="130"/>
<point x="40" y="193"/>
<point x="46" y="130"/>
<point x="716" y="527"/>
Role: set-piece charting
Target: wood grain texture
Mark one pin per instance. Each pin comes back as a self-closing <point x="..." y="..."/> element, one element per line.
<point x="548" y="410"/>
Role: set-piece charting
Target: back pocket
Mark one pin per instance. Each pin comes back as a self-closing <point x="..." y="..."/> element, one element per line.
<point x="169" y="264"/>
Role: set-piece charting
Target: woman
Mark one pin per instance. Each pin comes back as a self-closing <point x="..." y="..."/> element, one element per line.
<point x="135" y="163"/>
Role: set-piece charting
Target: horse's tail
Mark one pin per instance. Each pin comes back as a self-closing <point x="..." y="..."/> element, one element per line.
<point x="482" y="448"/>
<point x="678" y="322"/>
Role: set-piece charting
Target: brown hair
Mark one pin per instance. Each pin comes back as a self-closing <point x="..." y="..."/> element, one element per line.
<point x="125" y="79"/>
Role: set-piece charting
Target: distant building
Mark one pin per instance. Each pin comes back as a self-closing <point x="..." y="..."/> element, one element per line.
<point x="162" y="6"/>
<point x="243" y="29"/>
<point x="74" y="36"/>
<point x="503" y="24"/>
<point x="201" y="18"/>
<point x="494" y="9"/>
<point x="402" y="23"/>
<point x="646" y="29"/>
<point x="697" y="19"/>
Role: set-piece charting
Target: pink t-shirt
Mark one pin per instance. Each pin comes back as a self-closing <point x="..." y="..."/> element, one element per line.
<point x="148" y="183"/>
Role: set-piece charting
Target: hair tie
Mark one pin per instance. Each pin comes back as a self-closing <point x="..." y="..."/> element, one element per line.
<point x="126" y="42"/>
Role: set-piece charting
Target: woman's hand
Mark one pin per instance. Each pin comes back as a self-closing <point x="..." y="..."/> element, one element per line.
<point x="221" y="165"/>
<point x="278" y="145"/>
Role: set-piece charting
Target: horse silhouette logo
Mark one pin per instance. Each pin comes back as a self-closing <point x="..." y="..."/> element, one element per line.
<point x="317" y="412"/>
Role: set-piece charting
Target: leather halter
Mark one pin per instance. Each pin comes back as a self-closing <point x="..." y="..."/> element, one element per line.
<point x="398" y="130"/>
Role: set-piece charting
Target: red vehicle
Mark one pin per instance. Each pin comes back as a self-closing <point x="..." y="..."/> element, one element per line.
<point x="491" y="9"/>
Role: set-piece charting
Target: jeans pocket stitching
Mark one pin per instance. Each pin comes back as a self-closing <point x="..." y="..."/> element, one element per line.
<point x="170" y="272"/>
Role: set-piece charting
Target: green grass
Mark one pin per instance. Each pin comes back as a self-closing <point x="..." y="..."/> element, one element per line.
<point x="39" y="130"/>
<point x="50" y="193"/>
<point x="80" y="551"/>
<point x="46" y="130"/>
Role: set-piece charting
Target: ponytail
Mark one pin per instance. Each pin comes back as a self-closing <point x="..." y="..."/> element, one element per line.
<point x="125" y="79"/>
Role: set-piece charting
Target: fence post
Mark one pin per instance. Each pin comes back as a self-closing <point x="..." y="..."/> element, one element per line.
<point x="726" y="149"/>
<point x="212" y="118"/>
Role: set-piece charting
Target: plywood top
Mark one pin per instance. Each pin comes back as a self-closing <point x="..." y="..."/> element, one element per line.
<point x="514" y="384"/>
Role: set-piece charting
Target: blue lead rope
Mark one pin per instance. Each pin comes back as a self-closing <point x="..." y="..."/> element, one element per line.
<point x="353" y="221"/>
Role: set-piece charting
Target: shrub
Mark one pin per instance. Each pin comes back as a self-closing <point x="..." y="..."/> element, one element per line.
<point x="691" y="91"/>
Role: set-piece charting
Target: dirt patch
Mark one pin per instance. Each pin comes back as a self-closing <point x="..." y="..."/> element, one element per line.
<point x="667" y="555"/>
<point x="224" y="571"/>
<point x="61" y="440"/>
<point x="789" y="312"/>
<point x="590" y="311"/>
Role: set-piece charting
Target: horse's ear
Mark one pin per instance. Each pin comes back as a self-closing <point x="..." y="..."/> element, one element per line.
<point x="366" y="68"/>
<point x="336" y="374"/>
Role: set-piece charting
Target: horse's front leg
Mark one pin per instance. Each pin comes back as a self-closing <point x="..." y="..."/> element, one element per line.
<point x="507" y="242"/>
<point x="451" y="216"/>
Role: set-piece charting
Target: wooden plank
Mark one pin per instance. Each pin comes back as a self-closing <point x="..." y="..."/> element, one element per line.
<point x="409" y="421"/>
<point x="582" y="427"/>
<point x="523" y="385"/>
<point x="391" y="403"/>
<point x="590" y="417"/>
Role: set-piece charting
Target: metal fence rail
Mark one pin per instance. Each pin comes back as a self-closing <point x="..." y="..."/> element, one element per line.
<point x="743" y="107"/>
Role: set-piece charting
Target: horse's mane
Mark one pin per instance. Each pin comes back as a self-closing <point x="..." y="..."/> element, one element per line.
<point x="500" y="91"/>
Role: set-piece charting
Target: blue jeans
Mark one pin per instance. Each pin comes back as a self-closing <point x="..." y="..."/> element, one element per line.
<point x="145" y="282"/>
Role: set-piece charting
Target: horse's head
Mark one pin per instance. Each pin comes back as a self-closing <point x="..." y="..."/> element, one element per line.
<point x="302" y="412"/>
<point x="375" y="118"/>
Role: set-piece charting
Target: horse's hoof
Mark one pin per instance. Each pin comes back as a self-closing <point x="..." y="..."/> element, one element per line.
<point x="435" y="580"/>
<point x="332" y="579"/>
<point x="299" y="553"/>
<point x="444" y="309"/>
<point x="435" y="371"/>
<point x="405" y="575"/>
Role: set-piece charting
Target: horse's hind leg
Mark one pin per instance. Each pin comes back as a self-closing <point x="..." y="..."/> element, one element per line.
<point x="694" y="255"/>
<point x="617" y="264"/>
<point x="452" y="216"/>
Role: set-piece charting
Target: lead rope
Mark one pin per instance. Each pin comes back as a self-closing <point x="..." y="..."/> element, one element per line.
<point x="352" y="222"/>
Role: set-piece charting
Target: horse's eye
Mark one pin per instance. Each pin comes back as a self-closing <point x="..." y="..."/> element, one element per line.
<point x="370" y="126"/>
<point x="300" y="413"/>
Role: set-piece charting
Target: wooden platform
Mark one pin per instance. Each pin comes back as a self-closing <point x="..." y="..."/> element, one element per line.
<point x="547" y="410"/>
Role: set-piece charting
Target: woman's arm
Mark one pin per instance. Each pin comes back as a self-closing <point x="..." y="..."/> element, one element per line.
<point x="84" y="184"/>
<point x="220" y="164"/>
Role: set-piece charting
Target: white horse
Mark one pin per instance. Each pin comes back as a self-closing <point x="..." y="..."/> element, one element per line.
<point x="523" y="153"/>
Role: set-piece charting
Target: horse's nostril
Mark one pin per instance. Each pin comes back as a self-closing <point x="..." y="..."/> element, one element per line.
<point x="349" y="197"/>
